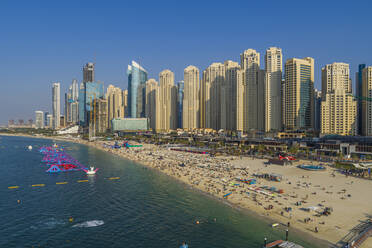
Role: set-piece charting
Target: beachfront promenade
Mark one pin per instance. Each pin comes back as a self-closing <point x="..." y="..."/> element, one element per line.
<point x="357" y="236"/>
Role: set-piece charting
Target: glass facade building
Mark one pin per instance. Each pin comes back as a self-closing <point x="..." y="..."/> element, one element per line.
<point x="81" y="104"/>
<point x="137" y="77"/>
<point x="306" y="95"/>
<point x="180" y="88"/>
<point x="88" y="92"/>
<point x="46" y="119"/>
<point x="359" y="93"/>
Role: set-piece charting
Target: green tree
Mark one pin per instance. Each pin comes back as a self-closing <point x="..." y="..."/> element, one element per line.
<point x="294" y="149"/>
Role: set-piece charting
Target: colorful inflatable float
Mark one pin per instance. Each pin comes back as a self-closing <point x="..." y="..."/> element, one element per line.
<point x="58" y="160"/>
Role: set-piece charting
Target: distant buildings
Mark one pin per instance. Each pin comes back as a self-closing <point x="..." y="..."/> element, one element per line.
<point x="115" y="100"/>
<point x="191" y="98"/>
<point x="180" y="90"/>
<point x="152" y="96"/>
<point x="39" y="119"/>
<point x="100" y="116"/>
<point x="88" y="73"/>
<point x="93" y="91"/>
<point x="237" y="98"/>
<point x="56" y="104"/>
<point x="166" y="116"/>
<point x="213" y="78"/>
<point x="298" y="95"/>
<point x="359" y="95"/>
<point x="317" y="109"/>
<point x="72" y="108"/>
<point x="253" y="90"/>
<point x="273" y="84"/>
<point x="230" y="91"/>
<point x="46" y="119"/>
<point x="20" y="124"/>
<point x="366" y="100"/>
<point x="49" y="121"/>
<point x="125" y="100"/>
<point x="81" y="105"/>
<point x="137" y="77"/>
<point x="338" y="107"/>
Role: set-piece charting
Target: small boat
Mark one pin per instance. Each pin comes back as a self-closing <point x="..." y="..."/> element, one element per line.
<point x="29" y="147"/>
<point x="91" y="171"/>
<point x="275" y="225"/>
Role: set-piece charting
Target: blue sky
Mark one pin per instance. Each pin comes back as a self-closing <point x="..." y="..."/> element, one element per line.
<point x="46" y="41"/>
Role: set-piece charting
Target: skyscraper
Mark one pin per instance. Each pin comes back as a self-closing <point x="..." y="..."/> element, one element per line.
<point x="213" y="79"/>
<point x="167" y="102"/>
<point x="100" y="112"/>
<point x="125" y="101"/>
<point x="317" y="109"/>
<point x="366" y="101"/>
<point x="240" y="100"/>
<point x="81" y="105"/>
<point x="67" y="112"/>
<point x="273" y="84"/>
<point x="39" y="119"/>
<point x="49" y="121"/>
<point x="88" y="72"/>
<point x="115" y="104"/>
<point x="46" y="119"/>
<point x="152" y="87"/>
<point x="191" y="98"/>
<point x="56" y="106"/>
<point x="229" y="95"/>
<point x="93" y="91"/>
<point x="250" y="64"/>
<point x="180" y="90"/>
<point x="137" y="77"/>
<point x="72" y="104"/>
<point x="338" y="107"/>
<point x="298" y="94"/>
<point x="74" y="90"/>
<point x="359" y="94"/>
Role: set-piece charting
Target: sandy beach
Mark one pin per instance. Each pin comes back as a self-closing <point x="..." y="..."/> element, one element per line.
<point x="305" y="193"/>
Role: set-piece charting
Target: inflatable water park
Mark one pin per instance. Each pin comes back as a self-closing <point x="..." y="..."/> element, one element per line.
<point x="59" y="161"/>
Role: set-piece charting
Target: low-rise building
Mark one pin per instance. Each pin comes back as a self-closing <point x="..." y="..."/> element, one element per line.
<point x="129" y="124"/>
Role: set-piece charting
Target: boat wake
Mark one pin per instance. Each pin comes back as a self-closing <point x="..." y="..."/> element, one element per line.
<point x="91" y="223"/>
<point x="49" y="223"/>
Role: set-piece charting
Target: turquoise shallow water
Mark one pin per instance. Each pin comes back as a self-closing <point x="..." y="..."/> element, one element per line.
<point x="144" y="208"/>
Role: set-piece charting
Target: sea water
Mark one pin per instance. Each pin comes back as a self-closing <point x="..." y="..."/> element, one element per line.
<point x="143" y="208"/>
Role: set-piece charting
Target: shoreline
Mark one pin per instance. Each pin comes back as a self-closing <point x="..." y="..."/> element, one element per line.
<point x="174" y="170"/>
